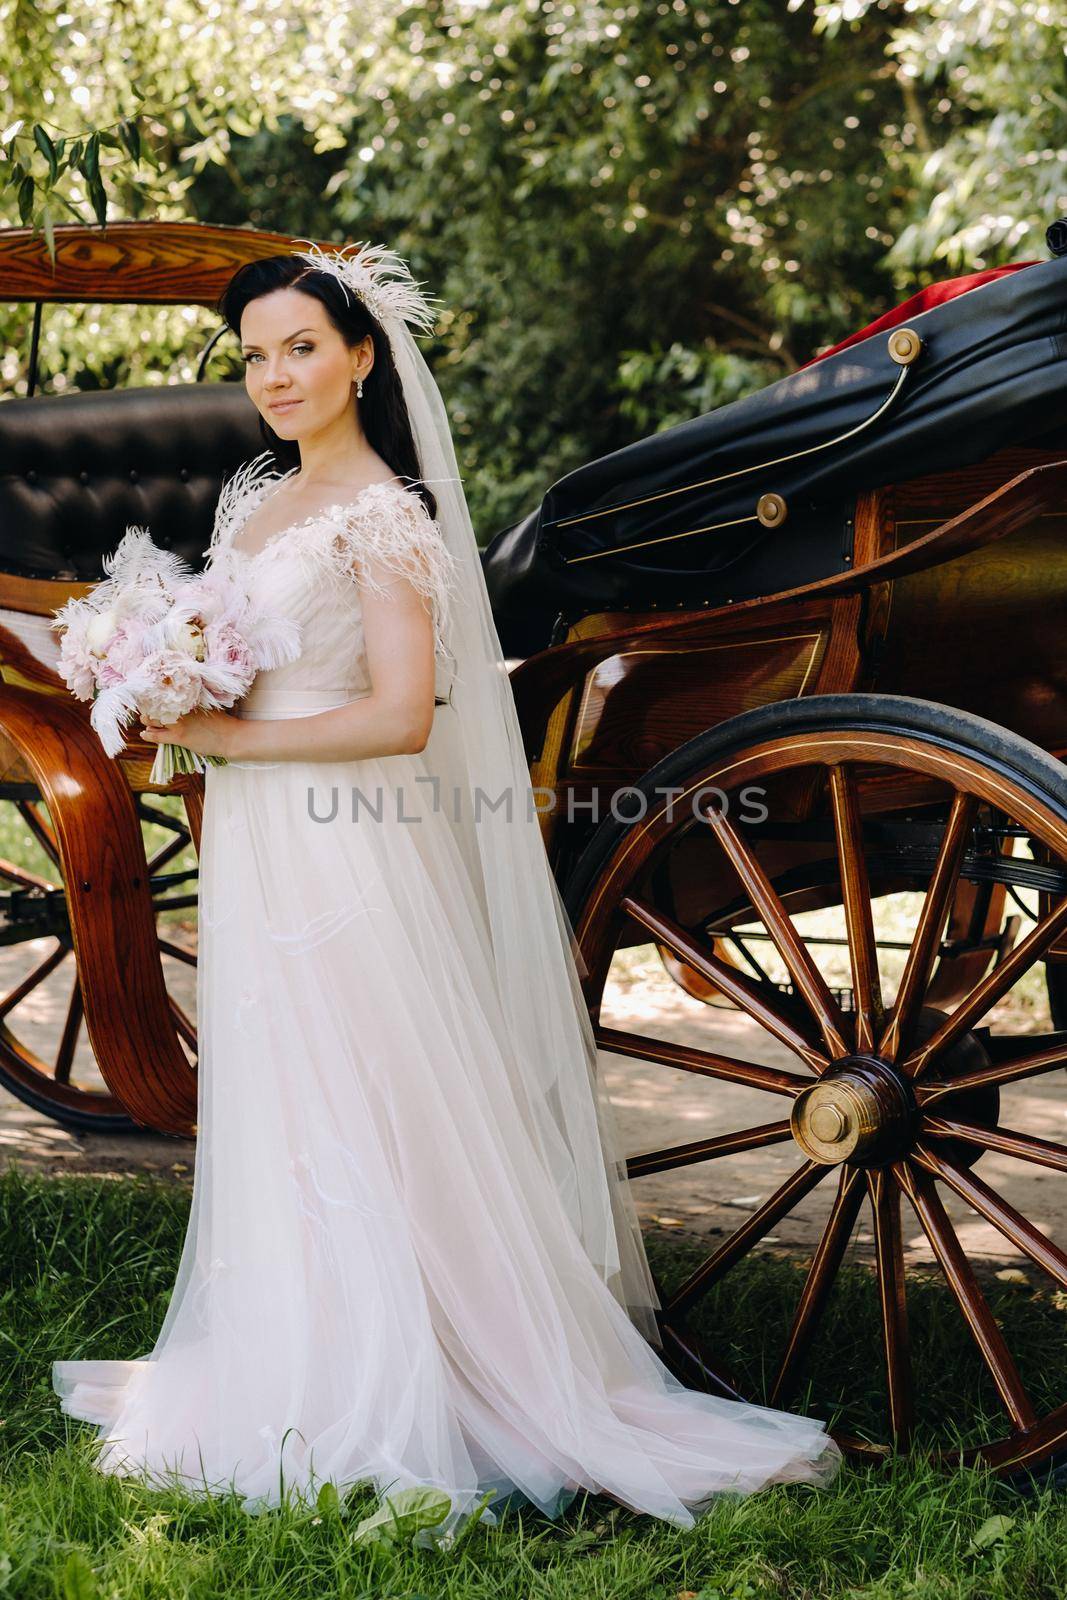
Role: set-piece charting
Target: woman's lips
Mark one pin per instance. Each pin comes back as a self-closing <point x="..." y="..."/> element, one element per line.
<point x="286" y="405"/>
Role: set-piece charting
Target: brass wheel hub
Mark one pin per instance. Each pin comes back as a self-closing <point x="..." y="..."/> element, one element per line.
<point x="859" y="1110"/>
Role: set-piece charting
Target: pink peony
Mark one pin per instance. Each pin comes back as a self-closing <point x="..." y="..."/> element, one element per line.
<point x="227" y="646"/>
<point x="157" y="640"/>
<point x="124" y="654"/>
<point x="173" y="687"/>
<point x="76" y="666"/>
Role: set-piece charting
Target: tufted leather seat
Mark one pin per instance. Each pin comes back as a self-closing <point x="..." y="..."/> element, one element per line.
<point x="76" y="469"/>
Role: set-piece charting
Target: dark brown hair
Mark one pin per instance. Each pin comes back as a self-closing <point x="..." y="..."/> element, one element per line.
<point x="383" y="413"/>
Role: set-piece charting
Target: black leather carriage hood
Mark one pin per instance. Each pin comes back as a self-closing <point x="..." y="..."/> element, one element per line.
<point x="672" y="520"/>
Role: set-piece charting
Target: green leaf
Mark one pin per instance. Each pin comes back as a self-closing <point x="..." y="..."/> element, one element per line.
<point x="47" y="149"/>
<point x="98" y="199"/>
<point x="26" y="188"/>
<point x="79" y="1579"/>
<point x="328" y="1501"/>
<point x="130" y="135"/>
<point x="403" y="1515"/>
<point x="91" y="165"/>
<point x="993" y="1529"/>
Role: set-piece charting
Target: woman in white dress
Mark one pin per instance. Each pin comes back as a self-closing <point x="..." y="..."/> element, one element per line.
<point x="412" y="1258"/>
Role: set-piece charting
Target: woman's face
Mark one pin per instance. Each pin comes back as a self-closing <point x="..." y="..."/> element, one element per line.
<point x="299" y="372"/>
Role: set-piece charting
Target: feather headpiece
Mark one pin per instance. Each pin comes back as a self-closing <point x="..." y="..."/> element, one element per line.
<point x="379" y="277"/>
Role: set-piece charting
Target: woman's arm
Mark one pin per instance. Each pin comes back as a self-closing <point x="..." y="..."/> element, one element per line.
<point x="394" y="719"/>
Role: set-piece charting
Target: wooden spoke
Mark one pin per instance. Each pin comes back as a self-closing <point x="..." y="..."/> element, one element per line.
<point x="723" y="1144"/>
<point x="687" y="1058"/>
<point x="162" y="819"/>
<point x="40" y="829"/>
<point x="932" y="918"/>
<point x="741" y="990"/>
<point x="818" y="1283"/>
<point x="119" y="1054"/>
<point x="959" y="1274"/>
<point x="182" y="1022"/>
<point x="996" y="1072"/>
<point x="167" y="852"/>
<point x="790" y="946"/>
<point x="760" y="1222"/>
<point x="1024" y="1146"/>
<point x="178" y="951"/>
<point x="23" y="875"/>
<point x="1004" y="1217"/>
<point x="69" y="1040"/>
<point x="37" y="975"/>
<point x="991" y="989"/>
<point x="892" y="1294"/>
<point x="856" y="900"/>
<point x="896" y="1080"/>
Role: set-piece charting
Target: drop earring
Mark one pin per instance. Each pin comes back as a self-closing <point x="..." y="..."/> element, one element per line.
<point x="359" y="388"/>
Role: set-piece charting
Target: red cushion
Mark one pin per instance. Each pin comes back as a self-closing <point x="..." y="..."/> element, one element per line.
<point x="933" y="295"/>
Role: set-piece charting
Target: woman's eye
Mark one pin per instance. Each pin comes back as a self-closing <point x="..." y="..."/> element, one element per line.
<point x="254" y="356"/>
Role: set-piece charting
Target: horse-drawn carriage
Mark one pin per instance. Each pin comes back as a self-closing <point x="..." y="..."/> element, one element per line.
<point x="793" y="672"/>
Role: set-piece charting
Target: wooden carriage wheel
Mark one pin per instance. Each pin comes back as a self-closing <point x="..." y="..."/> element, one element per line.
<point x="895" y="1103"/>
<point x="46" y="1058"/>
<point x="97" y="928"/>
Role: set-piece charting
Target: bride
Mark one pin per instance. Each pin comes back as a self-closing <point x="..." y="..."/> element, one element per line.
<point x="412" y="1258"/>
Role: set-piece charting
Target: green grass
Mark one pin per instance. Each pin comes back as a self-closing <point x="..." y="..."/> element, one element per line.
<point x="89" y="1267"/>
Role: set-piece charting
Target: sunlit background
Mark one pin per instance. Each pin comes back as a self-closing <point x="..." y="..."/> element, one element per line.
<point x="632" y="213"/>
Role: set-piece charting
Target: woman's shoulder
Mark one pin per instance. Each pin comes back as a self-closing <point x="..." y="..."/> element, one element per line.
<point x="387" y="524"/>
<point x="384" y="533"/>
<point x="391" y="497"/>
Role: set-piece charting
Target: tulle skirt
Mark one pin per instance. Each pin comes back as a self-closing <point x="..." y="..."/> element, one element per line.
<point x="379" y="1282"/>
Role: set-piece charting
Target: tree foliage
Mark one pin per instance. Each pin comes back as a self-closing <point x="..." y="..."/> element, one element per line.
<point x="632" y="212"/>
<point x="989" y="167"/>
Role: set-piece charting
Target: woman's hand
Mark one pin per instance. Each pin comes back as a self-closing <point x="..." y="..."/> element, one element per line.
<point x="209" y="733"/>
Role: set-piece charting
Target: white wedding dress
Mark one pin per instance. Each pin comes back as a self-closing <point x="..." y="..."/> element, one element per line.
<point x="379" y="1280"/>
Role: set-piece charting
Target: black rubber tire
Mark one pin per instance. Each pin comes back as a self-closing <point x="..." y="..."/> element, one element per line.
<point x="67" y="1117"/>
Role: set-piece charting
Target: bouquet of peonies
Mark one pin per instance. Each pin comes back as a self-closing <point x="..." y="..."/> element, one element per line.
<point x="156" y="639"/>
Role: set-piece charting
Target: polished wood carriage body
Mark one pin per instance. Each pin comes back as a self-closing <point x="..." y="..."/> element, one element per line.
<point x="957" y="592"/>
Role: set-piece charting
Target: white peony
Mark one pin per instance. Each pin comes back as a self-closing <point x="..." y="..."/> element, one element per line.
<point x="189" y="638"/>
<point x="101" y="630"/>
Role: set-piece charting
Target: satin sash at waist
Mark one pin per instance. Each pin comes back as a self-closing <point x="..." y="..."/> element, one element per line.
<point x="273" y="703"/>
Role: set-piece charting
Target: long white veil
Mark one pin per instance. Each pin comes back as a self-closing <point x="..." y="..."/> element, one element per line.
<point x="476" y="753"/>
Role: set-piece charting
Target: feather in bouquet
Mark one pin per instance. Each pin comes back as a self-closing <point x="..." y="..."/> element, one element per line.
<point x="156" y="639"/>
